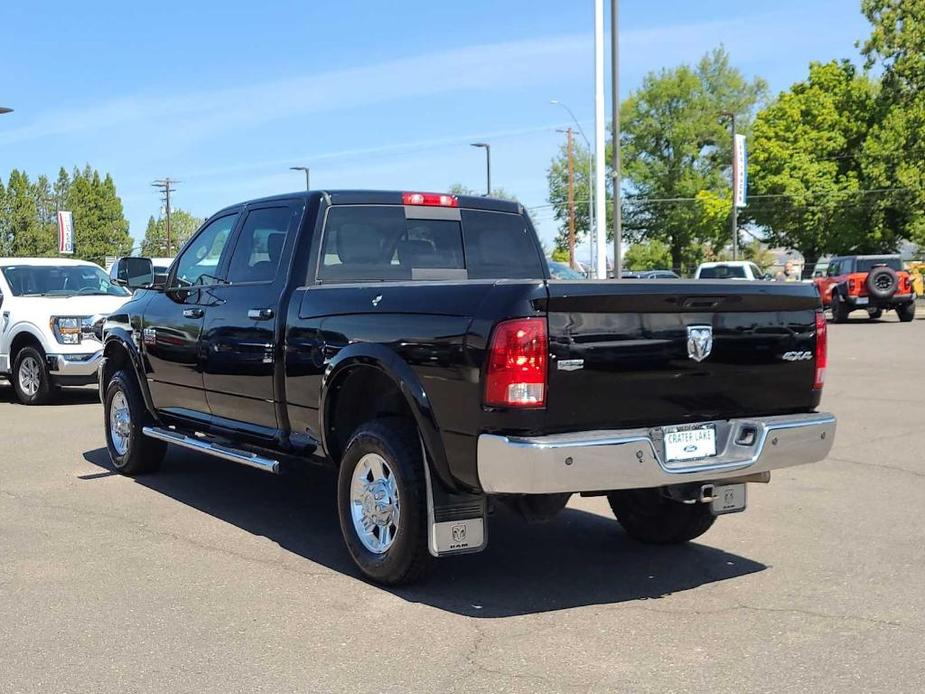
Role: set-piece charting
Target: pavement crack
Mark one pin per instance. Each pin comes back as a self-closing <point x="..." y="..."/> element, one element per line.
<point x="915" y="473"/>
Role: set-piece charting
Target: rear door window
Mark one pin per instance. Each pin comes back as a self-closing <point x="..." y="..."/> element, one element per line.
<point x="260" y="245"/>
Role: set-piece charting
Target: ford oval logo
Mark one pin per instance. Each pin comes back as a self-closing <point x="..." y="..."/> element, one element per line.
<point x="690" y="448"/>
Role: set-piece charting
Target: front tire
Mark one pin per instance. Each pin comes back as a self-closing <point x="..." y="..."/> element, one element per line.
<point x="650" y="517"/>
<point x="382" y="502"/>
<point x="132" y="453"/>
<point x="906" y="312"/>
<point x="31" y="379"/>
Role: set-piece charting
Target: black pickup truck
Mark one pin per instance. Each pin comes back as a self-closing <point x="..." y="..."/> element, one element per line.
<point x="416" y="342"/>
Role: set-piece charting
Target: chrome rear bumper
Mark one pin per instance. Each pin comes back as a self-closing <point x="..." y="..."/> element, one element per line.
<point x="594" y="461"/>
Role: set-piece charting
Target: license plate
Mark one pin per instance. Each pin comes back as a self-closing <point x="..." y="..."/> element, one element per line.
<point x="690" y="443"/>
<point x="728" y="498"/>
<point x="862" y="301"/>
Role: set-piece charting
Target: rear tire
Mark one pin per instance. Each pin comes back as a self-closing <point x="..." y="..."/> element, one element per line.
<point x="382" y="502"/>
<point x="30" y="377"/>
<point x="132" y="453"/>
<point x="650" y="517"/>
<point x="906" y="312"/>
<point x="839" y="309"/>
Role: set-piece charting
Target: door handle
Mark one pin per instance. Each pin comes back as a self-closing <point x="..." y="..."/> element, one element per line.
<point x="260" y="313"/>
<point x="193" y="313"/>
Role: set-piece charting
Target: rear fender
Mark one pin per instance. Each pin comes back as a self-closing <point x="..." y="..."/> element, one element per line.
<point x="407" y="382"/>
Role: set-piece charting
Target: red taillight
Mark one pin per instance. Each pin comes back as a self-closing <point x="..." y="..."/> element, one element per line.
<point x="430" y="199"/>
<point x="516" y="371"/>
<point x="853" y="286"/>
<point x="822" y="350"/>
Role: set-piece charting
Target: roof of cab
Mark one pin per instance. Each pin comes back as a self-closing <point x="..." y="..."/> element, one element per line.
<point x="385" y="197"/>
<point x="46" y="261"/>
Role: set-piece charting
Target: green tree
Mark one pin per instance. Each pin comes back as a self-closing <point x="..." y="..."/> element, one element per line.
<point x="500" y="193"/>
<point x="100" y="226"/>
<point x="648" y="255"/>
<point x="182" y="227"/>
<point x="806" y="167"/>
<point x="676" y="151"/>
<point x="25" y="234"/>
<point x="894" y="151"/>
<point x="557" y="180"/>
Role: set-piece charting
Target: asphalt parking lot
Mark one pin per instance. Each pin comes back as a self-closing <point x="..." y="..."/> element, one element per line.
<point x="210" y="577"/>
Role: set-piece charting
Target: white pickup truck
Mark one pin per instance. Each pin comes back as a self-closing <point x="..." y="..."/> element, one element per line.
<point x="48" y="310"/>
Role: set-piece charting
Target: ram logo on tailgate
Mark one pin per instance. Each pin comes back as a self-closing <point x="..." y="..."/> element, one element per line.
<point x="699" y="341"/>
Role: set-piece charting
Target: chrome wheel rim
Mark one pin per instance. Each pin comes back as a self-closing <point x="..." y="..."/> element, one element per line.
<point x="30" y="376"/>
<point x="120" y="423"/>
<point x="374" y="504"/>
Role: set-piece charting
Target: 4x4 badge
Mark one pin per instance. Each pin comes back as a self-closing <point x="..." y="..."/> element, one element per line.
<point x="699" y="341"/>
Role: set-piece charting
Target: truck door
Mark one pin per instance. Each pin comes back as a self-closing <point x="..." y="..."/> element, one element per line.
<point x="173" y="322"/>
<point x="239" y="342"/>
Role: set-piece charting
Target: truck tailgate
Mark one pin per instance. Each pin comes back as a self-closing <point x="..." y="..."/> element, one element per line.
<point x="619" y="354"/>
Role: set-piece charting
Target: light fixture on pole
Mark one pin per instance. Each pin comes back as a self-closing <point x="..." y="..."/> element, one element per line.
<point x="4" y="109"/>
<point x="305" y="169"/>
<point x="487" y="165"/>
<point x="584" y="137"/>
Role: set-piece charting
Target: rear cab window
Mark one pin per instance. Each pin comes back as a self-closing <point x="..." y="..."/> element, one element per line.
<point x="394" y="243"/>
<point x="722" y="272"/>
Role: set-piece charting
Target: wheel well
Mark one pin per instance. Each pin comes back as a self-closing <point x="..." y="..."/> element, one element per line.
<point x="24" y="339"/>
<point x="117" y="357"/>
<point x="359" y="395"/>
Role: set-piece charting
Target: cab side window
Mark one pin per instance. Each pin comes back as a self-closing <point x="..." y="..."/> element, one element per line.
<point x="198" y="265"/>
<point x="259" y="247"/>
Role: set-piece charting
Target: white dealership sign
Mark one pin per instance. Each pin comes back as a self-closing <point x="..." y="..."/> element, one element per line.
<point x="740" y="170"/>
<point x="65" y="233"/>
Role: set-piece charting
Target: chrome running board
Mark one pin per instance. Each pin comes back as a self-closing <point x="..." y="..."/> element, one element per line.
<point x="235" y="455"/>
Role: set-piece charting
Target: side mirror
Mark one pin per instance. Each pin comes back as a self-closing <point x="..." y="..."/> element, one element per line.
<point x="134" y="272"/>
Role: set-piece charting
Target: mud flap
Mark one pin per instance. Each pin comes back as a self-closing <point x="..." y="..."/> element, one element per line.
<point x="455" y="522"/>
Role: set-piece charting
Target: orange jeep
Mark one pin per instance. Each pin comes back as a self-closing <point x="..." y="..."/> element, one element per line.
<point x="869" y="282"/>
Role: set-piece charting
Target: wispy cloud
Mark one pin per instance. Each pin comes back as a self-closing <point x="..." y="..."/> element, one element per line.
<point x="206" y="113"/>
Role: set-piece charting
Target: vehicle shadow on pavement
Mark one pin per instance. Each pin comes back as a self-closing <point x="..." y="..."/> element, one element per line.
<point x="577" y="559"/>
<point x="66" y="396"/>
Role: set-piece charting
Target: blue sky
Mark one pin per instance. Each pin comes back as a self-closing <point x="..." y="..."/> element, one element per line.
<point x="226" y="96"/>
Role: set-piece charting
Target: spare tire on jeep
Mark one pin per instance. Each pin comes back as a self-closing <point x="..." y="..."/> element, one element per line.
<point x="882" y="282"/>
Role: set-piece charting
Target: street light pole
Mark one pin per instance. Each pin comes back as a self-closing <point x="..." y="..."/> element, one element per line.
<point x="735" y="211"/>
<point x="584" y="137"/>
<point x="615" y="99"/>
<point x="487" y="148"/>
<point x="600" y="190"/>
<point x="305" y="169"/>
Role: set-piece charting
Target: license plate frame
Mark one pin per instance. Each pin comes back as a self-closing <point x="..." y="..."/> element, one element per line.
<point x="689" y="442"/>
<point x="729" y="498"/>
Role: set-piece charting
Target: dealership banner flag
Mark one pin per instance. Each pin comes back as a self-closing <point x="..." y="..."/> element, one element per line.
<point x="740" y="170"/>
<point x="65" y="233"/>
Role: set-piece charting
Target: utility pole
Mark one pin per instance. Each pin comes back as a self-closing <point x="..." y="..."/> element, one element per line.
<point x="615" y="99"/>
<point x="735" y="211"/>
<point x="164" y="185"/>
<point x="581" y="132"/>
<point x="571" y="199"/>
